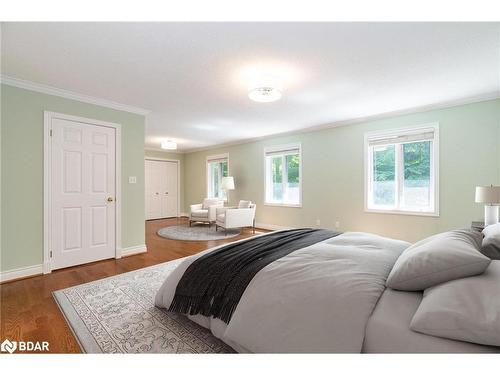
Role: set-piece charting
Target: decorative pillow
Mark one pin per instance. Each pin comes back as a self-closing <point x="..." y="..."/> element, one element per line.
<point x="437" y="259"/>
<point x="207" y="202"/>
<point x="244" y="204"/>
<point x="465" y="309"/>
<point x="491" y="241"/>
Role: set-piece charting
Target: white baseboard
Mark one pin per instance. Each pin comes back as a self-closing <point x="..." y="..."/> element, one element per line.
<point x="132" y="250"/>
<point x="183" y="214"/>
<point x="271" y="226"/>
<point x="19" y="273"/>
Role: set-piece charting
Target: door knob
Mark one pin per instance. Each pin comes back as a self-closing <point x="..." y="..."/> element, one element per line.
<point x="110" y="199"/>
<point x="157" y="193"/>
<point x="166" y="193"/>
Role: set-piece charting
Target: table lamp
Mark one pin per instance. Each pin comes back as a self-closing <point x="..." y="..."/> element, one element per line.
<point x="227" y="184"/>
<point x="491" y="196"/>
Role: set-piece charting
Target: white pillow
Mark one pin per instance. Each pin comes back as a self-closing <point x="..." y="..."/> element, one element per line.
<point x="207" y="202"/>
<point x="437" y="259"/>
<point x="244" y="204"/>
<point x="491" y="241"/>
<point x="466" y="309"/>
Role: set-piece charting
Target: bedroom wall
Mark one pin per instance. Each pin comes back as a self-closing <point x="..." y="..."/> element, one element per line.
<point x="333" y="173"/>
<point x="22" y="171"/>
<point x="172" y="156"/>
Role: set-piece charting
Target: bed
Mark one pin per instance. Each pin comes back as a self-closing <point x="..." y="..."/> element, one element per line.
<point x="327" y="297"/>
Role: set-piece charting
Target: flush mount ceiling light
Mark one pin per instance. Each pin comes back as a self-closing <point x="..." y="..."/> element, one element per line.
<point x="168" y="145"/>
<point x="265" y="89"/>
<point x="264" y="94"/>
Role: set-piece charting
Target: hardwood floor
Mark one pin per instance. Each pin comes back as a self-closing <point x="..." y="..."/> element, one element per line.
<point x="29" y="313"/>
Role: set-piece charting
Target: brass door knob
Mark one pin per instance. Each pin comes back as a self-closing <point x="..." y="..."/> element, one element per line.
<point x="110" y="199"/>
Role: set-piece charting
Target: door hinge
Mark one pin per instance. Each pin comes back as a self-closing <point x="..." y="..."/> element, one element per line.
<point x="51" y="132"/>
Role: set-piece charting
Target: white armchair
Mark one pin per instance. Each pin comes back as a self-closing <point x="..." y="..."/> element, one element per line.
<point x="236" y="217"/>
<point x="205" y="212"/>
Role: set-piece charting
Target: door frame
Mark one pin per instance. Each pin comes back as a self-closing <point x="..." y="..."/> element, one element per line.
<point x="48" y="116"/>
<point x="178" y="178"/>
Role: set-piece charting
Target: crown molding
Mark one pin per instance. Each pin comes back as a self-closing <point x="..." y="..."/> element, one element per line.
<point x="50" y="90"/>
<point x="430" y="107"/>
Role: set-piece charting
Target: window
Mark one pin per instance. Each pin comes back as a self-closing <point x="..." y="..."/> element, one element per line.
<point x="402" y="170"/>
<point x="283" y="175"/>
<point x="217" y="167"/>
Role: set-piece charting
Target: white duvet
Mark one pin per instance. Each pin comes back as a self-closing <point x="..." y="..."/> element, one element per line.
<point x="316" y="299"/>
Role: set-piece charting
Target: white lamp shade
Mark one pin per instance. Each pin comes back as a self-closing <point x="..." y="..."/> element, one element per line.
<point x="487" y="194"/>
<point x="228" y="183"/>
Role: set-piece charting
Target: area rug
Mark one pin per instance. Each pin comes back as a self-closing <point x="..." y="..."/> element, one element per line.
<point x="117" y="315"/>
<point x="197" y="232"/>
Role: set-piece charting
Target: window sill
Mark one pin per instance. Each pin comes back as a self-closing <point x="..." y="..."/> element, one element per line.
<point x="401" y="212"/>
<point x="283" y="205"/>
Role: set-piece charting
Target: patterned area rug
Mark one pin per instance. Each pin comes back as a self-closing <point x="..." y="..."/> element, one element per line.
<point x="117" y="315"/>
<point x="197" y="232"/>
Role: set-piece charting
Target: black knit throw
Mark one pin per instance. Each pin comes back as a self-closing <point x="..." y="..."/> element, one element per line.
<point x="213" y="284"/>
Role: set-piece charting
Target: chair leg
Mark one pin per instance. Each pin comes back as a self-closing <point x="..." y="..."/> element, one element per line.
<point x="189" y="222"/>
<point x="253" y="226"/>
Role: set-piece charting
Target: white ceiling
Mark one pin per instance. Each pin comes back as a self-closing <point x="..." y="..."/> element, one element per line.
<point x="191" y="76"/>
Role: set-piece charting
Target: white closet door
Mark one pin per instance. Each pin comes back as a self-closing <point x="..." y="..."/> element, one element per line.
<point x="82" y="193"/>
<point x="153" y="186"/>
<point x="171" y="189"/>
<point x="161" y="189"/>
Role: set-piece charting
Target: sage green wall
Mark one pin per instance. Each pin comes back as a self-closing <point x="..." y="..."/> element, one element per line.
<point x="172" y="156"/>
<point x="22" y="171"/>
<point x="333" y="173"/>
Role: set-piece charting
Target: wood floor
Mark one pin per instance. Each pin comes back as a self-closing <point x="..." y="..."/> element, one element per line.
<point x="29" y="313"/>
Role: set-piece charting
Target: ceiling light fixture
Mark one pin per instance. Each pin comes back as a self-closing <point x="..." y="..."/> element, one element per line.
<point x="265" y="89"/>
<point x="264" y="94"/>
<point x="168" y="145"/>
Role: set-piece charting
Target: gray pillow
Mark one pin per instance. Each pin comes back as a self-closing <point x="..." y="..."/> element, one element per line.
<point x="465" y="309"/>
<point x="491" y="241"/>
<point x="437" y="259"/>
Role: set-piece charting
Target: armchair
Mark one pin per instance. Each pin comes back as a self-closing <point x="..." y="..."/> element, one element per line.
<point x="236" y="217"/>
<point x="205" y="212"/>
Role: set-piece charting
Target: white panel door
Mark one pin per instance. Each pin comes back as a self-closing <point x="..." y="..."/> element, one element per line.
<point x="171" y="193"/>
<point x="161" y="189"/>
<point x="153" y="187"/>
<point x="82" y="193"/>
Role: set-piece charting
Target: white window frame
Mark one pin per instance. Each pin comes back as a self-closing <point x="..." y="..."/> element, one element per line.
<point x="277" y="149"/>
<point x="434" y="183"/>
<point x="212" y="158"/>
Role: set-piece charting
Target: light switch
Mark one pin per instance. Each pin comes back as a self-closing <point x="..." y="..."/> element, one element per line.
<point x="132" y="179"/>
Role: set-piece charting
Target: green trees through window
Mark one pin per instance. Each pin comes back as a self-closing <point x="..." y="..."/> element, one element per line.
<point x="401" y="175"/>
<point x="283" y="178"/>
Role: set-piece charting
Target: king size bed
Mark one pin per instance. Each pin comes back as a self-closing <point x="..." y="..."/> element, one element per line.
<point x="318" y="291"/>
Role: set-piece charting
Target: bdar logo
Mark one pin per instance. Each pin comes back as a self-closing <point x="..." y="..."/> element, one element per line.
<point x="8" y="346"/>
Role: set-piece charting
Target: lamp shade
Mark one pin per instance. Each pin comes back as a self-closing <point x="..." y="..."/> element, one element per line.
<point x="487" y="194"/>
<point x="228" y="183"/>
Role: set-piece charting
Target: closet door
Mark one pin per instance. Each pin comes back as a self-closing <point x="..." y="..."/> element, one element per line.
<point x="153" y="187"/>
<point x="161" y="179"/>
<point x="171" y="193"/>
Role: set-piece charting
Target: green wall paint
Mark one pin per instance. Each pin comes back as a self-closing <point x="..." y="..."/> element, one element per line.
<point x="333" y="173"/>
<point x="172" y="156"/>
<point x="22" y="171"/>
